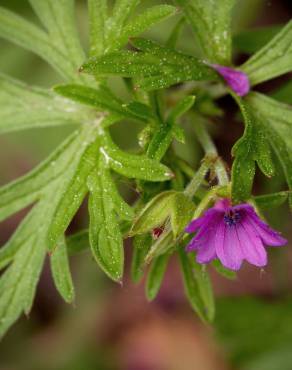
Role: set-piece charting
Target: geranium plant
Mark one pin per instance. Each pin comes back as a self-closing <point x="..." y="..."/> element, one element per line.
<point x="171" y="193"/>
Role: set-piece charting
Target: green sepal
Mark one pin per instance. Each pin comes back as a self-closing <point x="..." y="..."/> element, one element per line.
<point x="182" y="210"/>
<point x="154" y="213"/>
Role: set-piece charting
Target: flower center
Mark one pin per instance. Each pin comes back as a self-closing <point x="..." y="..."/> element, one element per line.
<point x="231" y="217"/>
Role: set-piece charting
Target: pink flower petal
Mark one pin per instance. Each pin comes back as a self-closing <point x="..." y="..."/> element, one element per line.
<point x="227" y="246"/>
<point x="193" y="245"/>
<point x="266" y="233"/>
<point x="207" y="252"/>
<point x="205" y="248"/>
<point x="209" y="227"/>
<point x="195" y="224"/>
<point x="201" y="221"/>
<point x="222" y="204"/>
<point x="252" y="247"/>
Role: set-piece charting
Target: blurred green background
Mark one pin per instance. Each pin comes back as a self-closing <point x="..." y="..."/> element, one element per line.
<point x="112" y="327"/>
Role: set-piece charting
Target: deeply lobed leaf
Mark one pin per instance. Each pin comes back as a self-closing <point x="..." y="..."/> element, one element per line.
<point x="273" y="60"/>
<point x="211" y="22"/>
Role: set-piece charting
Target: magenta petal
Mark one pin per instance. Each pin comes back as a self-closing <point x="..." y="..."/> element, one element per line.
<point x="251" y="244"/>
<point x="228" y="248"/>
<point x="207" y="252"/>
<point x="265" y="232"/>
<point x="193" y="245"/>
<point x="222" y="204"/>
<point x="237" y="80"/>
<point x="195" y="224"/>
<point x="201" y="222"/>
<point x="209" y="227"/>
<point x="244" y="207"/>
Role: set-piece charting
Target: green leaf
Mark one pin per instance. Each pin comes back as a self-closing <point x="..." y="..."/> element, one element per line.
<point x="142" y="22"/>
<point x="58" y="17"/>
<point x="18" y="30"/>
<point x="133" y="166"/>
<point x="104" y="100"/>
<point x="273" y="60"/>
<point x="154" y="213"/>
<point x="18" y="283"/>
<point x="273" y="200"/>
<point x="12" y="246"/>
<point x="140" y="110"/>
<point x="181" y="108"/>
<point x="161" y="141"/>
<point x="35" y="186"/>
<point x="97" y="10"/>
<point x="141" y="245"/>
<point x="26" y="250"/>
<point x="252" y="147"/>
<point x="182" y="210"/>
<point x="104" y="234"/>
<point x="163" y="137"/>
<point x="211" y="22"/>
<point x="205" y="288"/>
<point x="26" y="107"/>
<point x="276" y="121"/>
<point x="123" y="210"/>
<point x="155" y="276"/>
<point x="73" y="192"/>
<point x="29" y="188"/>
<point x="61" y="272"/>
<point x="122" y="11"/>
<point x="154" y="65"/>
<point x="191" y="285"/>
<point x="101" y="98"/>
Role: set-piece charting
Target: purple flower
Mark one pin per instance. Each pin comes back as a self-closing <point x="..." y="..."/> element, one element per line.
<point x="232" y="234"/>
<point x="238" y="81"/>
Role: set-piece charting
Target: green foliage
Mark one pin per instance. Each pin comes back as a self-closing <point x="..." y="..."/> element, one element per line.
<point x="268" y="201"/>
<point x="253" y="147"/>
<point x="104" y="234"/>
<point x="155" y="66"/>
<point x="25" y="107"/>
<point x="103" y="99"/>
<point x="154" y="214"/>
<point x="197" y="286"/>
<point x="182" y="210"/>
<point x="211" y="23"/>
<point x="89" y="161"/>
<point x="61" y="272"/>
<point x="108" y="33"/>
<point x="272" y="60"/>
<point x="276" y="119"/>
